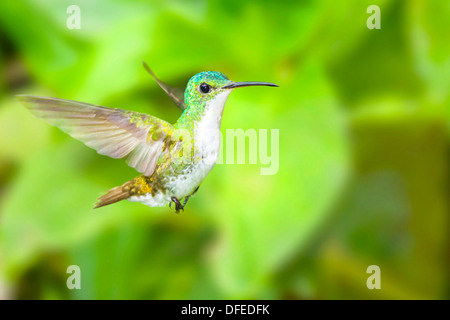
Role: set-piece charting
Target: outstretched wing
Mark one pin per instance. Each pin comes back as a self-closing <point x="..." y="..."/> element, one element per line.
<point x="174" y="93"/>
<point x="112" y="132"/>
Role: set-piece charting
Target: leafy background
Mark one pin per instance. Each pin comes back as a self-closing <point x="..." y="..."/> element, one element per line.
<point x="364" y="141"/>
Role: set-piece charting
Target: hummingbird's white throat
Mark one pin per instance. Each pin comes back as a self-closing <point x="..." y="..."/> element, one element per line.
<point x="207" y="130"/>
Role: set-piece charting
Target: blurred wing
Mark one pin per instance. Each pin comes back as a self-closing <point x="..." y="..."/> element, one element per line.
<point x="112" y="132"/>
<point x="174" y="93"/>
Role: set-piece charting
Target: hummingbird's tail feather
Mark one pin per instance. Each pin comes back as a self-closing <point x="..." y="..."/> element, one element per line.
<point x="112" y="196"/>
<point x="138" y="186"/>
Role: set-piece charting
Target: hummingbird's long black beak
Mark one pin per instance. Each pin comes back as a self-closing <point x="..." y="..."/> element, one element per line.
<point x="234" y="85"/>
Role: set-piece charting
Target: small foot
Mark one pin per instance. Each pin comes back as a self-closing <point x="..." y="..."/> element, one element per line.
<point x="178" y="205"/>
<point x="187" y="197"/>
<point x="185" y="201"/>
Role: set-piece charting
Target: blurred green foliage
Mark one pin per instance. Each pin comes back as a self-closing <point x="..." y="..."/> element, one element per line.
<point x="363" y="178"/>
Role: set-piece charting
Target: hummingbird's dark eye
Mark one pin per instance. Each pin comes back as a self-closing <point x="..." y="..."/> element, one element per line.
<point x="205" y="88"/>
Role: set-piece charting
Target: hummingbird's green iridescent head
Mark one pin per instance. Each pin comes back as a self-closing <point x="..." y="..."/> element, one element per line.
<point x="206" y="86"/>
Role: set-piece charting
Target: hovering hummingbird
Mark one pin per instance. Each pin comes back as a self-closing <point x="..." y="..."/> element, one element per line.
<point x="173" y="159"/>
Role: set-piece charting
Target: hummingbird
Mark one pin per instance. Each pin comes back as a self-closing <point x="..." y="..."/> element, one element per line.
<point x="173" y="159"/>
